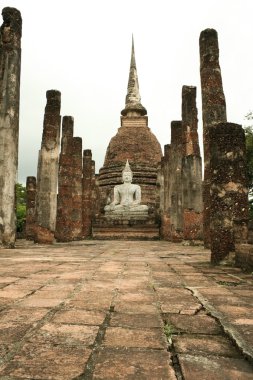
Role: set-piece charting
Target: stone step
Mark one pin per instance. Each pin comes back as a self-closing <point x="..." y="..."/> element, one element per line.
<point x="142" y="232"/>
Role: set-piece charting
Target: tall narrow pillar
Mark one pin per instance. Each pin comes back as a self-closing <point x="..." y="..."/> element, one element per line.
<point x="176" y="182"/>
<point x="30" y="207"/>
<point x="172" y="218"/>
<point x="47" y="173"/>
<point x="87" y="193"/>
<point x="191" y="167"/>
<point x="213" y="109"/>
<point x="77" y="226"/>
<point x="10" y="61"/>
<point x="63" y="229"/>
<point x="228" y="190"/>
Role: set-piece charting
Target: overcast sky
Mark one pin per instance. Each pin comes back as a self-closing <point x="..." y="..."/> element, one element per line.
<point x="82" y="48"/>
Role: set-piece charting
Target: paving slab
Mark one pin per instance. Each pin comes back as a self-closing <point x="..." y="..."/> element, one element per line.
<point x="205" y="345"/>
<point x="133" y="365"/>
<point x="214" y="368"/>
<point x="123" y="310"/>
<point x="141" y="338"/>
<point x="47" y="362"/>
<point x="192" y="324"/>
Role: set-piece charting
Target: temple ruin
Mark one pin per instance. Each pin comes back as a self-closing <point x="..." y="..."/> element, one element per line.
<point x="140" y="192"/>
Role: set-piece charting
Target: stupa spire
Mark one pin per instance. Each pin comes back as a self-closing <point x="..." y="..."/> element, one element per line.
<point x="133" y="99"/>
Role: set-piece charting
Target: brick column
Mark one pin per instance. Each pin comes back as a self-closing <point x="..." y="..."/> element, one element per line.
<point x="10" y="60"/>
<point x="228" y="190"/>
<point x="30" y="207"/>
<point x="172" y="218"/>
<point x="47" y="174"/>
<point x="87" y="193"/>
<point x="63" y="230"/>
<point x="191" y="167"/>
<point x="77" y="188"/>
<point x="213" y="108"/>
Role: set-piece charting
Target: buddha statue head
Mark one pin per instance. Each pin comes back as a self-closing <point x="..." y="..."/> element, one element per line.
<point x="127" y="174"/>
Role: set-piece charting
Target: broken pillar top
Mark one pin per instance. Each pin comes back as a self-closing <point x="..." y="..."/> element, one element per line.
<point x="189" y="90"/>
<point x="87" y="152"/>
<point x="53" y="101"/>
<point x="209" y="47"/>
<point x="30" y="179"/>
<point x="11" y="29"/>
<point x="133" y="100"/>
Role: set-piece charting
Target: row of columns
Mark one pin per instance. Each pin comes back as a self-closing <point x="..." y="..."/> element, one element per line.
<point x="62" y="206"/>
<point x="224" y="190"/>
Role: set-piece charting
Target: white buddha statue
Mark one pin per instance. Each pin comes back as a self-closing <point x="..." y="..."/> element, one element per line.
<point x="127" y="197"/>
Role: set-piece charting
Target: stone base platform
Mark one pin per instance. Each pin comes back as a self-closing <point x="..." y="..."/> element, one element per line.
<point x="125" y="228"/>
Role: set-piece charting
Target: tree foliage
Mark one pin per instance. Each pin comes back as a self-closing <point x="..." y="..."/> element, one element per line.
<point x="20" y="206"/>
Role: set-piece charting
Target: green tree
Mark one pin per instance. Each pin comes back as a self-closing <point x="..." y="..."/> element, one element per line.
<point x="20" y="206"/>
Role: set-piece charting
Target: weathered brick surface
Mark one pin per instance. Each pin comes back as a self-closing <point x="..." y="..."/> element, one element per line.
<point x="77" y="166"/>
<point x="63" y="230"/>
<point x="47" y="174"/>
<point x="213" y="108"/>
<point x="193" y="225"/>
<point x="43" y="235"/>
<point x="228" y="190"/>
<point x="87" y="201"/>
<point x="30" y="207"/>
<point x="10" y="61"/>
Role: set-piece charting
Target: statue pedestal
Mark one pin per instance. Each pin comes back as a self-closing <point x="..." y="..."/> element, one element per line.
<point x="137" y="225"/>
<point x="125" y="215"/>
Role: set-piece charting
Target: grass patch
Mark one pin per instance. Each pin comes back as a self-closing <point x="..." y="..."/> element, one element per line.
<point x="168" y="331"/>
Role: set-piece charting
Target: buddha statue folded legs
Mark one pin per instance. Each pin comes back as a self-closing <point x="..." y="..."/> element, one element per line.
<point x="127" y="197"/>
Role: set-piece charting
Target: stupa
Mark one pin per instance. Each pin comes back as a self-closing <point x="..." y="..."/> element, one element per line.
<point x="134" y="143"/>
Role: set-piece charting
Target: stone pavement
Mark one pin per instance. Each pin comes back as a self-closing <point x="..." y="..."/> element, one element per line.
<point x="123" y="310"/>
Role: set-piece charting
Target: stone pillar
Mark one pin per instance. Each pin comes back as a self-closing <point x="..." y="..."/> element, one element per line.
<point x="191" y="167"/>
<point x="63" y="230"/>
<point x="190" y="139"/>
<point x="172" y="219"/>
<point x="160" y="186"/>
<point x="213" y="109"/>
<point x="228" y="190"/>
<point x="176" y="214"/>
<point x="77" y="188"/>
<point x="30" y="207"/>
<point x="96" y="201"/>
<point x="47" y="173"/>
<point x="166" y="175"/>
<point x="165" y="229"/>
<point x="10" y="60"/>
<point x="87" y="208"/>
